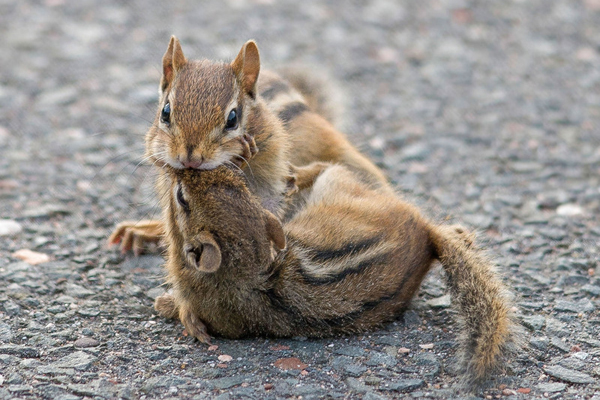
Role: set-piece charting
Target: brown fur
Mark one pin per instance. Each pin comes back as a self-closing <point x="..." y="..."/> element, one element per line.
<point x="282" y="128"/>
<point x="311" y="136"/>
<point x="355" y="257"/>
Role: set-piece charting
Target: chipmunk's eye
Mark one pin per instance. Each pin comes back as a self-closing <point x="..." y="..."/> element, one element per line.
<point x="232" y="120"/>
<point x="181" y="200"/>
<point x="165" y="114"/>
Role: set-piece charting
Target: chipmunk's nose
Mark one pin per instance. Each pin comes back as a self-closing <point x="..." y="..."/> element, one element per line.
<point x="189" y="161"/>
<point x="192" y="164"/>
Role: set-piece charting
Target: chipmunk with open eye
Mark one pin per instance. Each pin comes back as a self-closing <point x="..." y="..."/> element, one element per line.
<point x="213" y="113"/>
<point x="350" y="260"/>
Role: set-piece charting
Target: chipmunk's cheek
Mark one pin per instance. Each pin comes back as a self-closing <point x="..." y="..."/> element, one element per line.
<point x="173" y="161"/>
<point x="210" y="161"/>
<point x="157" y="149"/>
<point x="218" y="158"/>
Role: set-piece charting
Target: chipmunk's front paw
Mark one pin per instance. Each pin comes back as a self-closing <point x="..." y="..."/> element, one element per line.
<point x="166" y="307"/>
<point x="290" y="185"/>
<point x="306" y="175"/>
<point x="193" y="325"/>
<point x="249" y="148"/>
<point x="134" y="235"/>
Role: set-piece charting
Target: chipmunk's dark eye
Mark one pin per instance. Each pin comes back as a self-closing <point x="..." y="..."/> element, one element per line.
<point x="181" y="200"/>
<point x="232" y="120"/>
<point x="165" y="114"/>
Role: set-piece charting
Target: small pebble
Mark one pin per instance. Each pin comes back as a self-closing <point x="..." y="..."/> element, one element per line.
<point x="568" y="375"/>
<point x="85" y="342"/>
<point x="440" y="302"/>
<point x="551" y="387"/>
<point x="9" y="227"/>
<point x="31" y="257"/>
<point x="569" y="210"/>
<point x="290" y="363"/>
<point x="225" y="358"/>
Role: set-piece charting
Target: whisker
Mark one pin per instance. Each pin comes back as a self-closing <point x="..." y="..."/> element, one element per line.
<point x="238" y="168"/>
<point x="249" y="167"/>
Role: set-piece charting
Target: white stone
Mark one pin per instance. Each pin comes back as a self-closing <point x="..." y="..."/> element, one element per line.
<point x="440" y="302"/>
<point x="8" y="227"/>
<point x="569" y="210"/>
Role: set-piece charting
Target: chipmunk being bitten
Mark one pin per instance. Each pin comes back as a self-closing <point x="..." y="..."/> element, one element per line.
<point x="349" y="260"/>
<point x="214" y="113"/>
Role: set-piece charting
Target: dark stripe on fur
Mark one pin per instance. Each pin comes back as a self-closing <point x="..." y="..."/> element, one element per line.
<point x="276" y="300"/>
<point x="291" y="111"/>
<point x="348" y="250"/>
<point x="354" y="315"/>
<point x="370" y="305"/>
<point x="274" y="89"/>
<point x="359" y="268"/>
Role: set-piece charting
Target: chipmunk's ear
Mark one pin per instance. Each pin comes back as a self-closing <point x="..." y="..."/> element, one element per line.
<point x="205" y="254"/>
<point x="173" y="60"/>
<point x="247" y="66"/>
<point x="274" y="230"/>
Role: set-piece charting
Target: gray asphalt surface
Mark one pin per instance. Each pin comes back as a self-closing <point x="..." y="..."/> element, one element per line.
<point x="484" y="113"/>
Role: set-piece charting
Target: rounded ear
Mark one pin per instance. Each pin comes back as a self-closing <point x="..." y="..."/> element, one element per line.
<point x="247" y="66"/>
<point x="206" y="255"/>
<point x="173" y="60"/>
<point x="211" y="258"/>
<point x="274" y="230"/>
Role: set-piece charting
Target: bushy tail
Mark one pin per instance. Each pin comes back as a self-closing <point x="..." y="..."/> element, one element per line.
<point x="319" y="92"/>
<point x="483" y="302"/>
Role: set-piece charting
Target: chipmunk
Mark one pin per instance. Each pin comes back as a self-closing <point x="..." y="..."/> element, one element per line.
<point x="350" y="260"/>
<point x="214" y="113"/>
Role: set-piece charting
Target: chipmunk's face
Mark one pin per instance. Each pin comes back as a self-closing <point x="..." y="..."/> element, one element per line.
<point x="220" y="221"/>
<point x="201" y="121"/>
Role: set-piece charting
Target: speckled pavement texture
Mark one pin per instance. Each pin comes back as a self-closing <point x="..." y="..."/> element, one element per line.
<point x="483" y="113"/>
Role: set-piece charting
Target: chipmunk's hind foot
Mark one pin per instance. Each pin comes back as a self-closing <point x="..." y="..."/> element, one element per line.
<point x="193" y="325"/>
<point x="166" y="306"/>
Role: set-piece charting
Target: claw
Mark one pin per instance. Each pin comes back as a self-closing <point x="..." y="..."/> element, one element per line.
<point x="193" y="325"/>
<point x="290" y="185"/>
<point x="249" y="148"/>
<point x="135" y="234"/>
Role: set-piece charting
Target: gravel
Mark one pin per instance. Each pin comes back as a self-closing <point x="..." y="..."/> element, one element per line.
<point x="551" y="387"/>
<point x="482" y="113"/>
<point x="568" y="375"/>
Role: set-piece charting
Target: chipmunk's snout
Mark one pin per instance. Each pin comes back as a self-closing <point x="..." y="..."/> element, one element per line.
<point x="191" y="160"/>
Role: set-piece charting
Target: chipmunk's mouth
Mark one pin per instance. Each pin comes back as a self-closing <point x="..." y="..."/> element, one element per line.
<point x="199" y="165"/>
